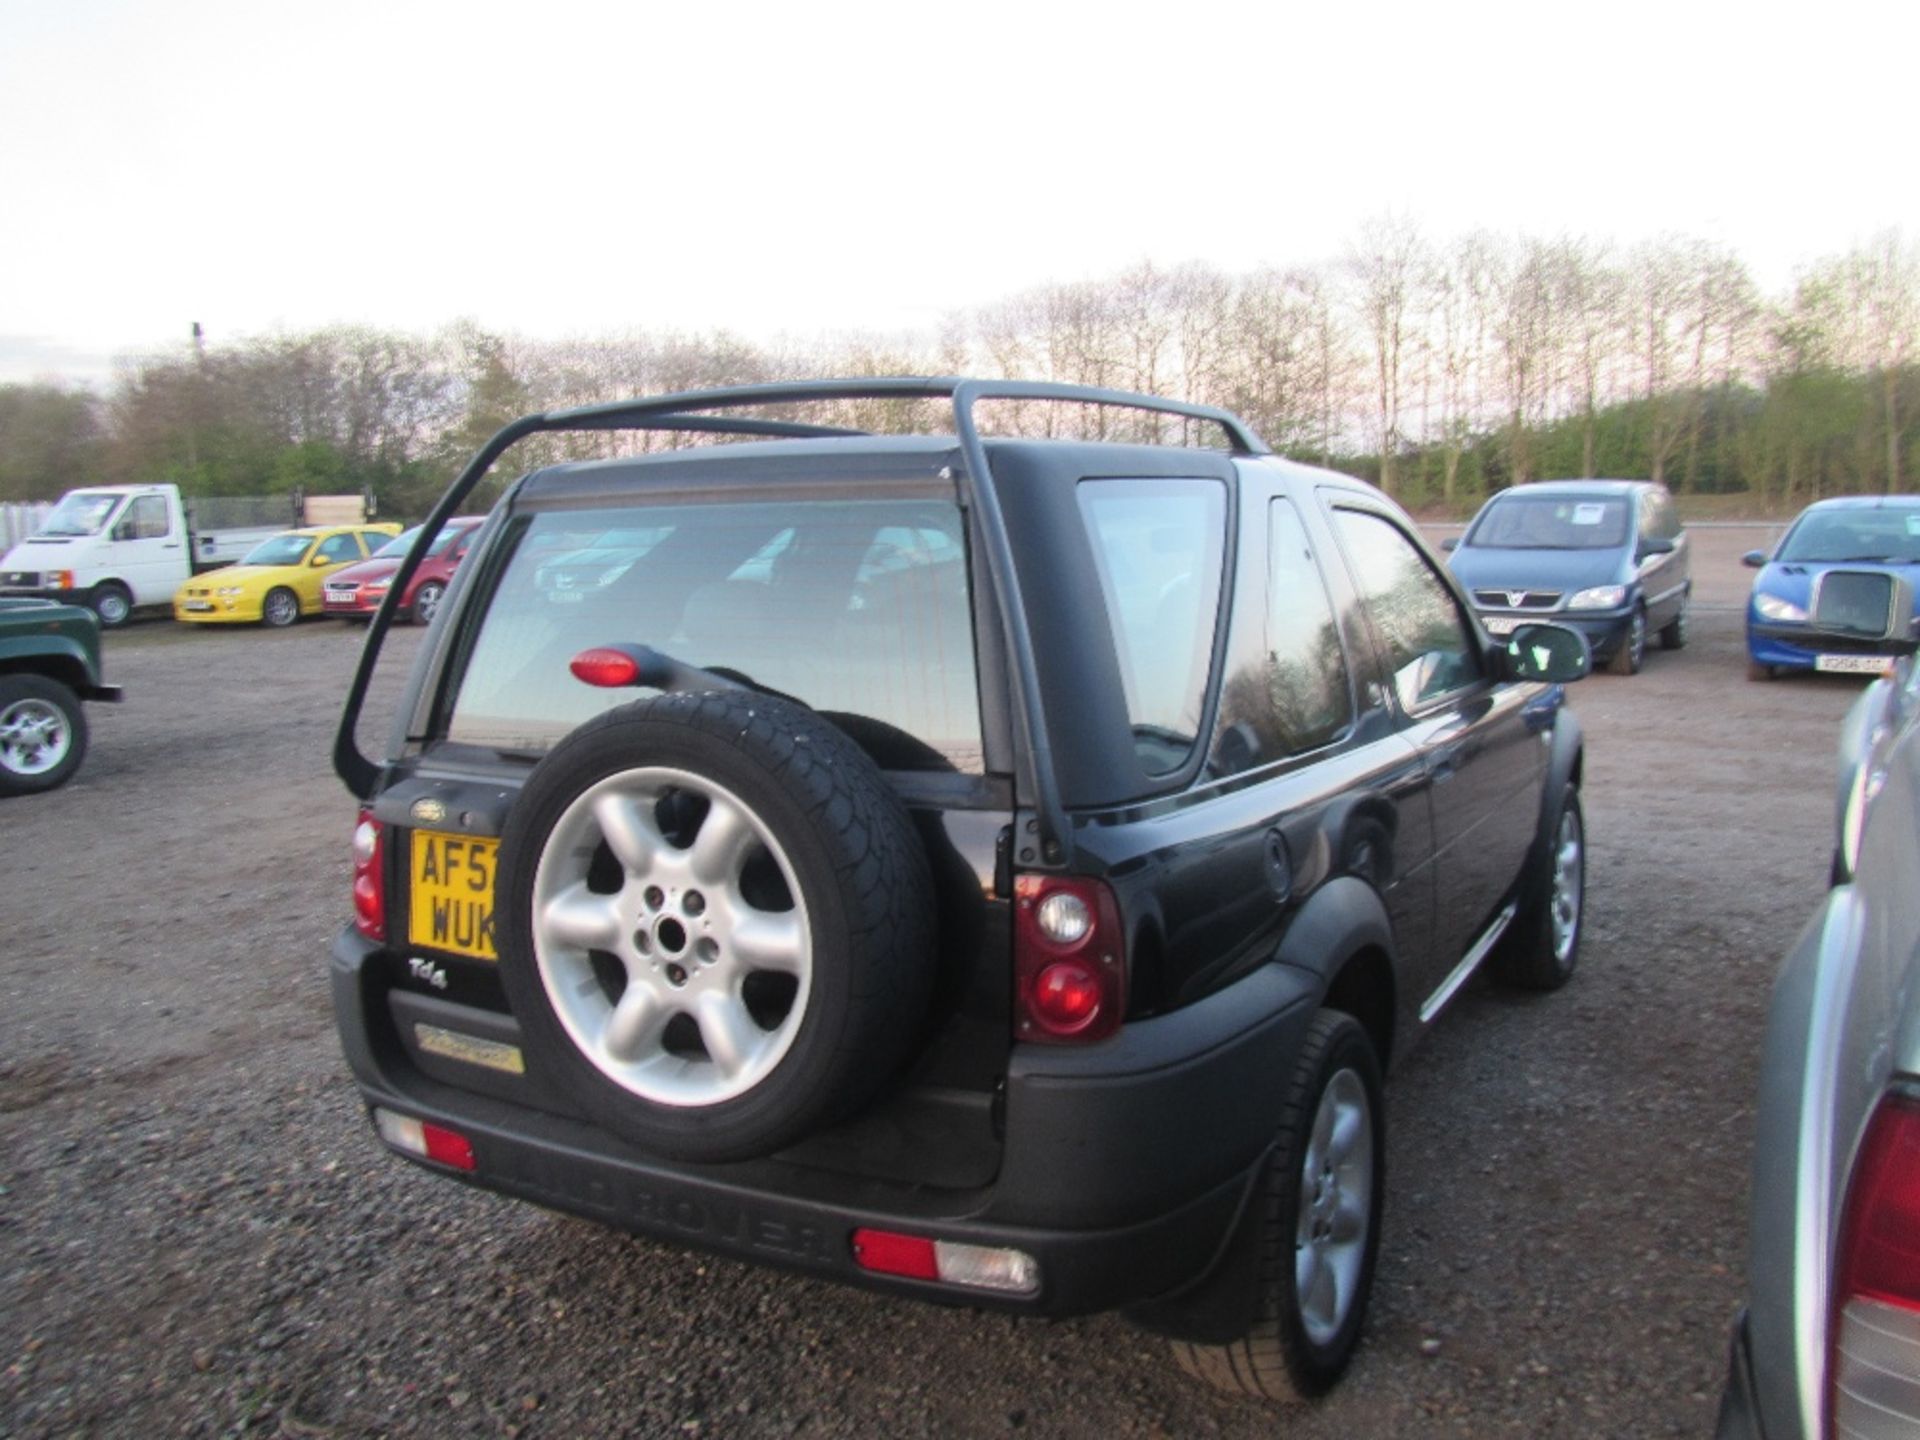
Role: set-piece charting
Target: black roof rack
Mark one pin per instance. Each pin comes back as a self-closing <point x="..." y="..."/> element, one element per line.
<point x="689" y="411"/>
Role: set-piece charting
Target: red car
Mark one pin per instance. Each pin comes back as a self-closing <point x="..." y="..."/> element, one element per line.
<point x="356" y="592"/>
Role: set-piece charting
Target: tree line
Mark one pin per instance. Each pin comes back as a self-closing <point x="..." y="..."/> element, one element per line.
<point x="1442" y="369"/>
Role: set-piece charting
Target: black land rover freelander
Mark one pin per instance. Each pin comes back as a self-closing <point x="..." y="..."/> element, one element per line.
<point x="994" y="871"/>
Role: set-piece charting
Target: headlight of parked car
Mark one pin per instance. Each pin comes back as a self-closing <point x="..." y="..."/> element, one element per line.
<point x="1600" y="597"/>
<point x="1772" y="607"/>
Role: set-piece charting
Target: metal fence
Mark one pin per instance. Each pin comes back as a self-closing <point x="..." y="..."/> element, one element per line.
<point x="19" y="520"/>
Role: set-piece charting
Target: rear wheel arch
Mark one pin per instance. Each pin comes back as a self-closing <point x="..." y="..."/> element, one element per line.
<point x="1364" y="987"/>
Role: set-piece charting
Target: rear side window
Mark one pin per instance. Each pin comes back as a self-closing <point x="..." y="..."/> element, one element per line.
<point x="859" y="609"/>
<point x="1298" y="697"/>
<point x="1159" y="545"/>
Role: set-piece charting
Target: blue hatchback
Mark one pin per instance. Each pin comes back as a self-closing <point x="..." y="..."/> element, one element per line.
<point x="1825" y="599"/>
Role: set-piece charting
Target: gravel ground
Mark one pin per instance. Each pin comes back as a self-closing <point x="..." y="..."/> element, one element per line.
<point x="200" y="1236"/>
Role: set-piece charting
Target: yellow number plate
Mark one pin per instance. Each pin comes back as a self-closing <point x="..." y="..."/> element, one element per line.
<point x="452" y="906"/>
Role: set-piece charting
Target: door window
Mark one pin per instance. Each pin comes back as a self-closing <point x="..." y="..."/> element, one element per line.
<point x="338" y="549"/>
<point x="1429" y="646"/>
<point x="146" y="518"/>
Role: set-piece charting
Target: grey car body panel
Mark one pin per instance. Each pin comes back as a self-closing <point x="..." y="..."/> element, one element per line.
<point x="1843" y="1028"/>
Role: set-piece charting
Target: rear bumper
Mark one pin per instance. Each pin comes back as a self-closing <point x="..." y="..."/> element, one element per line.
<point x="1123" y="1172"/>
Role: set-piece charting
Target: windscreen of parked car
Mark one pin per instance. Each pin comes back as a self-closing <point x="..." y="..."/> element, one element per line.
<point x="280" y="550"/>
<point x="1884" y="535"/>
<point x="84" y="512"/>
<point x="857" y="608"/>
<point x="1551" y="522"/>
<point x="1159" y="547"/>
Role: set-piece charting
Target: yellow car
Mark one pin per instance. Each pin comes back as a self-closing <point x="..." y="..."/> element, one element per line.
<point x="279" y="581"/>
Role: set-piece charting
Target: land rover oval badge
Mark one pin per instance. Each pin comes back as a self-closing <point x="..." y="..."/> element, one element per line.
<point x="429" y="811"/>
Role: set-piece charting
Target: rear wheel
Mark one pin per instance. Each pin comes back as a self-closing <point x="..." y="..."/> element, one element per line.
<point x="112" y="602"/>
<point x="43" y="734"/>
<point x="1542" y="945"/>
<point x="281" y="607"/>
<point x="715" y="923"/>
<point x="1319" y="1230"/>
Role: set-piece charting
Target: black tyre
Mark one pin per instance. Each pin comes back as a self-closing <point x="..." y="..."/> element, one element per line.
<point x="1632" y="653"/>
<point x="112" y="602"/>
<point x="426" y="602"/>
<point x="43" y="734"/>
<point x="1542" y="945"/>
<point x="1319" y="1222"/>
<point x="716" y="923"/>
<point x="281" y="607"/>
<point x="1673" y="634"/>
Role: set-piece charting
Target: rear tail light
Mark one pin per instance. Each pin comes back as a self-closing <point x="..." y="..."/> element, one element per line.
<point x="978" y="1267"/>
<point x="369" y="878"/>
<point x="429" y="1142"/>
<point x="1874" y="1372"/>
<point x="1069" y="962"/>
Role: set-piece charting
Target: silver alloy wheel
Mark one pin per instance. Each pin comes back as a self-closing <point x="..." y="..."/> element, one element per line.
<point x="34" y="737"/>
<point x="1336" y="1207"/>
<point x="426" y="600"/>
<point x="684" y="932"/>
<point x="1569" y="882"/>
<point x="280" y="608"/>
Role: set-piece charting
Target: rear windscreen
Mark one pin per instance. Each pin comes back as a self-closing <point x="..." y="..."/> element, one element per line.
<point x="857" y="608"/>
<point x="1551" y="522"/>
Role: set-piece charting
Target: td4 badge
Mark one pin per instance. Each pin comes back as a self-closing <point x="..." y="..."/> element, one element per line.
<point x="431" y="971"/>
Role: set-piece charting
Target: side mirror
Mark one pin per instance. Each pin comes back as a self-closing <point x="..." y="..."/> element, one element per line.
<point x="1655" y="547"/>
<point x="320" y="560"/>
<point x="1452" y="542"/>
<point x="1754" y="559"/>
<point x="1555" y="654"/>
<point x="123" y="531"/>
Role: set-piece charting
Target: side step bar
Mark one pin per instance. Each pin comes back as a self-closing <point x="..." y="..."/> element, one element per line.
<point x="1431" y="1006"/>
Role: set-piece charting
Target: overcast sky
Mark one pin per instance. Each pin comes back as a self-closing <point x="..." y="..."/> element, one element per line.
<point x="574" y="168"/>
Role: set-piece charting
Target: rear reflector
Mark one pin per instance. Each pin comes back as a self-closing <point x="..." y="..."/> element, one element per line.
<point x="978" y="1267"/>
<point x="430" y="1142"/>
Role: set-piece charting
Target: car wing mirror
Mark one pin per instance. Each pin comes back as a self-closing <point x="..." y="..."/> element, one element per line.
<point x="1452" y="542"/>
<point x="1555" y="654"/>
<point x="1754" y="559"/>
<point x="1654" y="547"/>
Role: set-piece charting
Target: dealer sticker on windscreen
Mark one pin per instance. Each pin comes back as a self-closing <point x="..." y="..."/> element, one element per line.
<point x="452" y="906"/>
